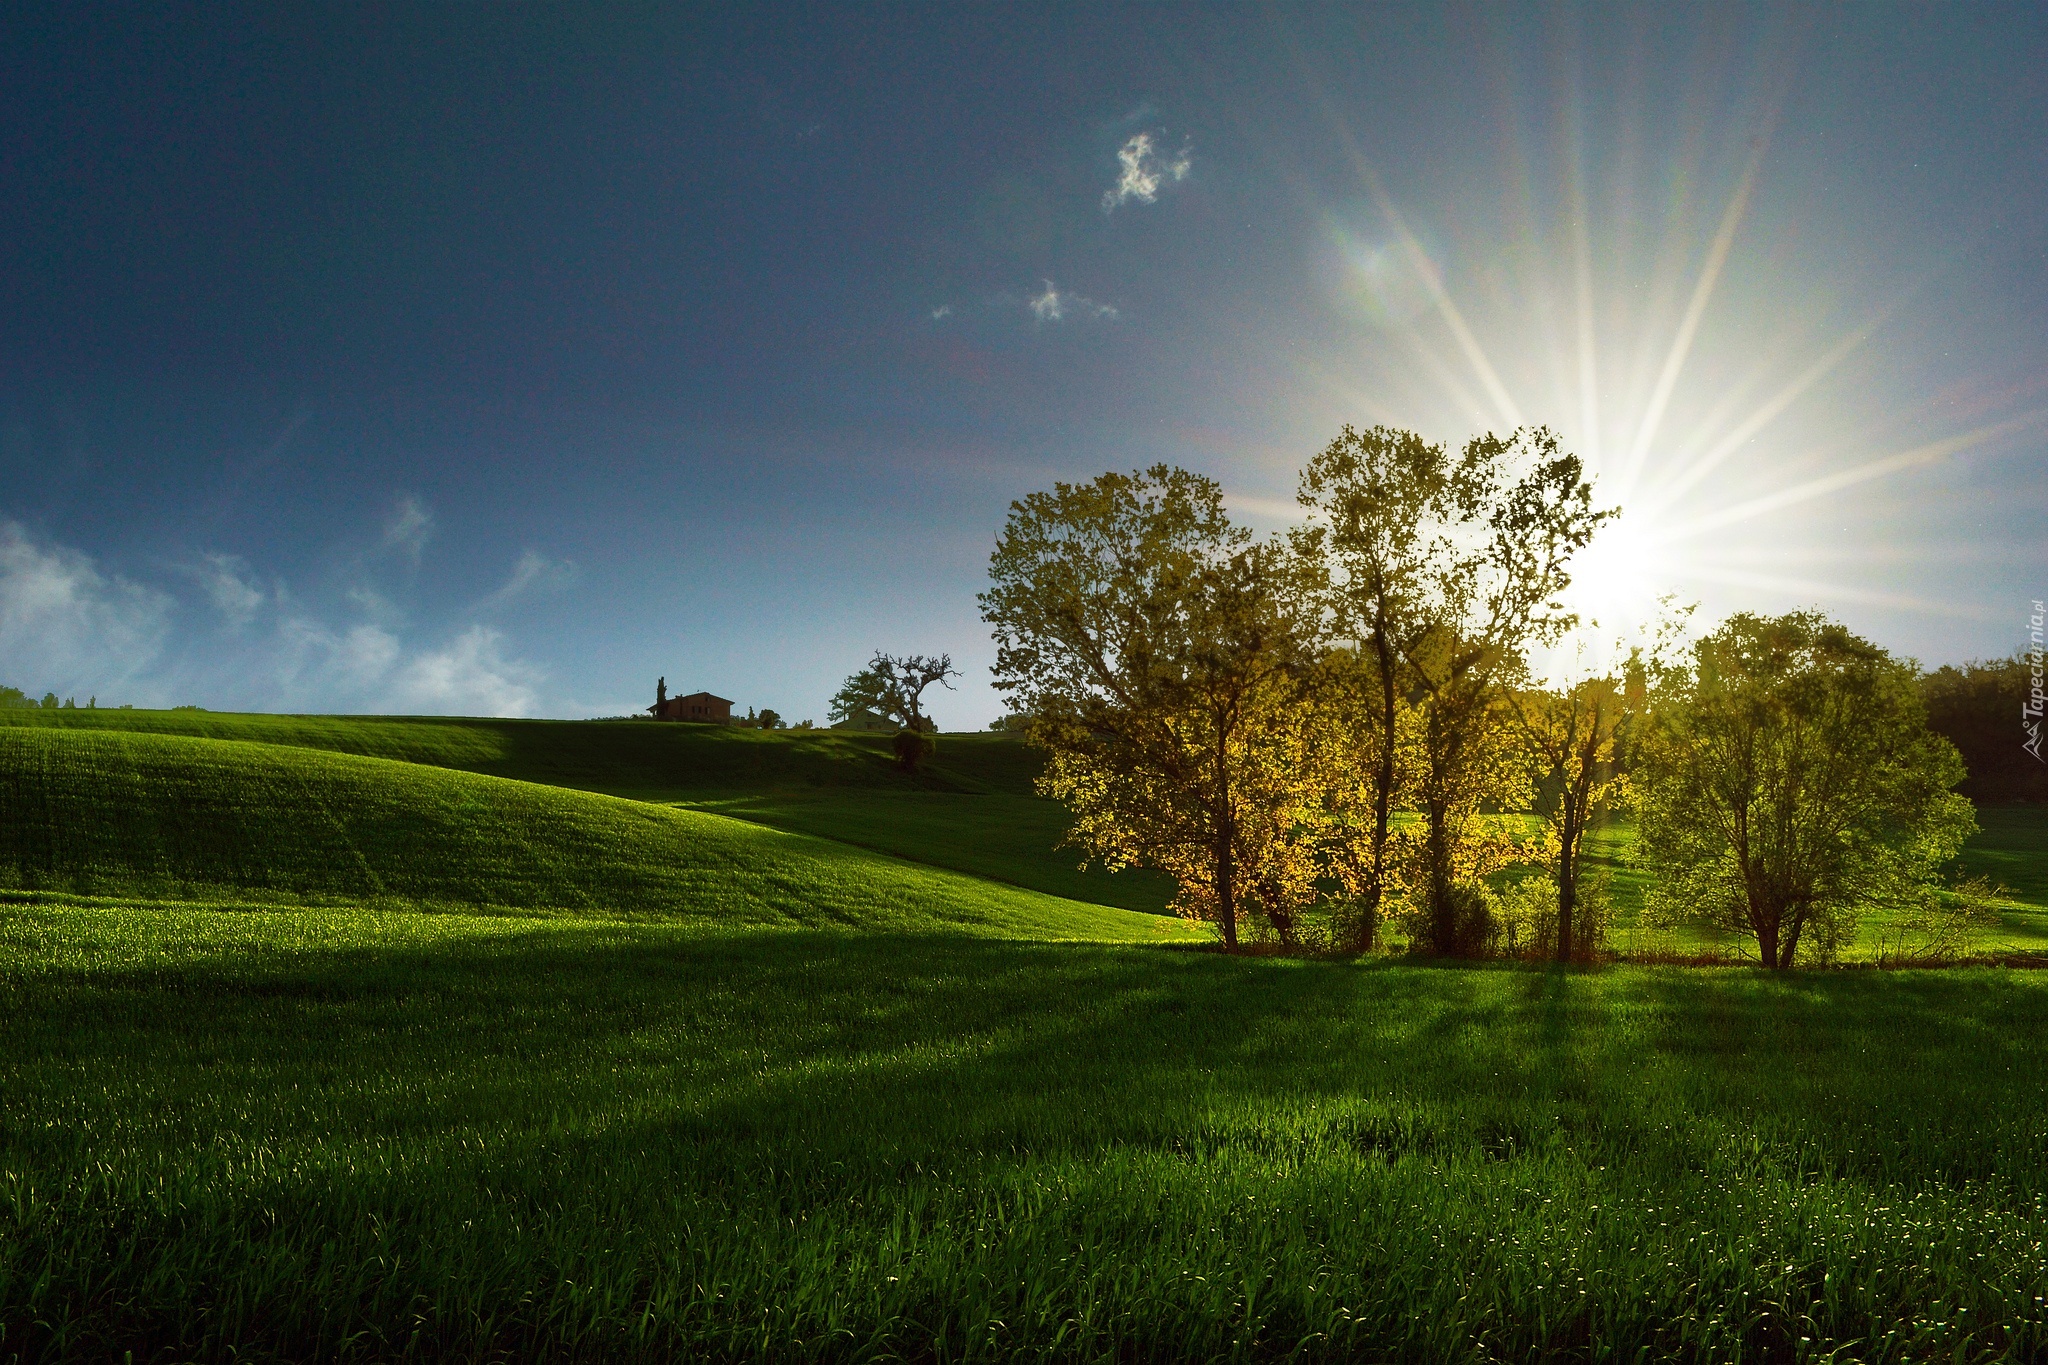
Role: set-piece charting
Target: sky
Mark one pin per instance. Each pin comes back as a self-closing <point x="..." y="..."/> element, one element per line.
<point x="499" y="360"/>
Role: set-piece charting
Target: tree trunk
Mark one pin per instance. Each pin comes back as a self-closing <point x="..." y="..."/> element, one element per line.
<point x="1226" y="892"/>
<point x="1383" y="793"/>
<point x="1226" y="851"/>
<point x="1567" y="885"/>
<point x="1767" y="942"/>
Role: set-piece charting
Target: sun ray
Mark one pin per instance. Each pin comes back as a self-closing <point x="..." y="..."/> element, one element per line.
<point x="1418" y="256"/>
<point x="1819" y="590"/>
<point x="1863" y="473"/>
<point x="1695" y="310"/>
<point x="1680" y="483"/>
<point x="1582" y="276"/>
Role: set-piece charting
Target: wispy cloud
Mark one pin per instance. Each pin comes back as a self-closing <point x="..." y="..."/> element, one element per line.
<point x="1054" y="305"/>
<point x="534" y="572"/>
<point x="409" y="527"/>
<point x="231" y="587"/>
<point x="66" y="625"/>
<point x="1143" y="170"/>
<point x="471" y="676"/>
<point x="944" y="310"/>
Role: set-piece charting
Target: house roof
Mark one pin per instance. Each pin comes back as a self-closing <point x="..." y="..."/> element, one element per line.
<point x="702" y="696"/>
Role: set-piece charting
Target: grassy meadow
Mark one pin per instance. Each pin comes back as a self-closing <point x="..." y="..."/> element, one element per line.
<point x="378" y="1039"/>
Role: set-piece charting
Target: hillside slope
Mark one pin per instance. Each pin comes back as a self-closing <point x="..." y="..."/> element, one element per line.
<point x="621" y="758"/>
<point x="104" y="812"/>
<point x="973" y="811"/>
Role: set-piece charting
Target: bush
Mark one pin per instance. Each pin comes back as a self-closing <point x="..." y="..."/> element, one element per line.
<point x="1526" y="913"/>
<point x="913" y="747"/>
<point x="1474" y="925"/>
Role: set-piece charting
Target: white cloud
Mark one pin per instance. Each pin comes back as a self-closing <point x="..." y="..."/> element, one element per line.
<point x="66" y="626"/>
<point x="534" y="572"/>
<point x="471" y="676"/>
<point x="1052" y="305"/>
<point x="944" y="310"/>
<point x="408" y="528"/>
<point x="322" y="666"/>
<point x="230" y="587"/>
<point x="1143" y="171"/>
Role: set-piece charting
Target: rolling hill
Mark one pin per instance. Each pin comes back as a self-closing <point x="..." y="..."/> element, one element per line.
<point x="103" y="812"/>
<point x="973" y="810"/>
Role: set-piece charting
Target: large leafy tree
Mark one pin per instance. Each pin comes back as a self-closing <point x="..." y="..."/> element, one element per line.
<point x="1521" y="508"/>
<point x="1444" y="569"/>
<point x="1163" y="659"/>
<point x="1789" y="782"/>
<point x="1382" y="502"/>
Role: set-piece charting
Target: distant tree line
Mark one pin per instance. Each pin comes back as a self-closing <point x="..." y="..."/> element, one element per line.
<point x="14" y="699"/>
<point x="1255" y="716"/>
<point x="1983" y="709"/>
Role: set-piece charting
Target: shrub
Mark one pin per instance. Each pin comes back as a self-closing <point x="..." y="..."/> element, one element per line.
<point x="913" y="747"/>
<point x="1469" y="926"/>
<point x="1526" y="913"/>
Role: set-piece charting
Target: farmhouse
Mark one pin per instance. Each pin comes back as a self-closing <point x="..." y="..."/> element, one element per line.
<point x="702" y="707"/>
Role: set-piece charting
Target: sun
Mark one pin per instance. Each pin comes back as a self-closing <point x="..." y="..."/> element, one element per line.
<point x="1618" y="579"/>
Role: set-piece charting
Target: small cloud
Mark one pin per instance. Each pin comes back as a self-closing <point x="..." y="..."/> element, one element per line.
<point x="1143" y="170"/>
<point x="408" y="528"/>
<point x="231" y="587"/>
<point x="534" y="572"/>
<point x="1052" y="305"/>
<point x="944" y="310"/>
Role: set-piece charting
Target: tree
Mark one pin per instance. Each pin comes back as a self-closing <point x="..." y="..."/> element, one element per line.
<point x="769" y="720"/>
<point x="1382" y="499"/>
<point x="1515" y="511"/>
<point x="1789" y="781"/>
<point x="893" y="688"/>
<point x="1572" y="732"/>
<point x="1162" y="659"/>
<point x="1576" y="734"/>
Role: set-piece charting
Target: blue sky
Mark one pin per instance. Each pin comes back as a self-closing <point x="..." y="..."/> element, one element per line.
<point x="493" y="360"/>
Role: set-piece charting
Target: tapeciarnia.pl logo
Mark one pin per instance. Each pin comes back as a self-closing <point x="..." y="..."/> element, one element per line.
<point x="2030" y="709"/>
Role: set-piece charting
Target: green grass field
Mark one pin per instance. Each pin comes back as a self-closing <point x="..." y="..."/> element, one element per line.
<point x="336" y="1039"/>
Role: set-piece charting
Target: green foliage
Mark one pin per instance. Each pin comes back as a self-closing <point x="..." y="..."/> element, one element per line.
<point x="1442" y="570"/>
<point x="1789" y="784"/>
<point x="13" y="698"/>
<point x="1943" y="927"/>
<point x="1162" y="656"/>
<point x="1526" y="915"/>
<point x="913" y="749"/>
